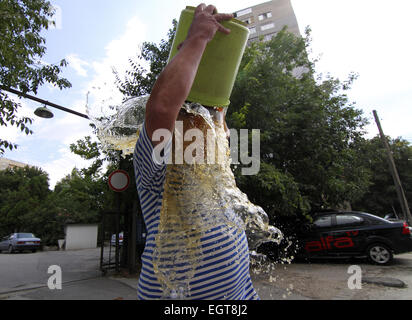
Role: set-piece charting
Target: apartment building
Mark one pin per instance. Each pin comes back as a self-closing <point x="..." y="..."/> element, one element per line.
<point x="7" y="163"/>
<point x="266" y="19"/>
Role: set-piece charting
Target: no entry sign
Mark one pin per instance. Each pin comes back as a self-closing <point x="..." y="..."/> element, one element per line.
<point x="119" y="180"/>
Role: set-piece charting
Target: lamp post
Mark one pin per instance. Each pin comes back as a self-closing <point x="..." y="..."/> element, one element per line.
<point x="43" y="112"/>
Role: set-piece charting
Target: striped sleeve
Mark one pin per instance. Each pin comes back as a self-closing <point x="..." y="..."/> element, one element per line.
<point x="148" y="171"/>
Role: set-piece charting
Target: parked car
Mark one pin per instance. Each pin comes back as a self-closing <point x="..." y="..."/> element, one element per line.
<point x="391" y="217"/>
<point x="20" y="242"/>
<point x="355" y="234"/>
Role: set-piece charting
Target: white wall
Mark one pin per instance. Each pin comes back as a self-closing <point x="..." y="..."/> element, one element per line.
<point x="81" y="236"/>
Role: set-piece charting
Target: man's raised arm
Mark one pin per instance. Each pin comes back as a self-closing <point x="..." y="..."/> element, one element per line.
<point x="174" y="83"/>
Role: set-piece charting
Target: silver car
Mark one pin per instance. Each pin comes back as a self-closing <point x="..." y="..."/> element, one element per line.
<point x="20" y="242"/>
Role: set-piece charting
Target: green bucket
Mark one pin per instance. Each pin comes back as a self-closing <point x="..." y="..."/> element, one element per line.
<point x="220" y="62"/>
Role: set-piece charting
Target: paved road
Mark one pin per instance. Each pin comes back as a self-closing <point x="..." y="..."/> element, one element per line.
<point x="328" y="280"/>
<point x="24" y="270"/>
<point x="82" y="279"/>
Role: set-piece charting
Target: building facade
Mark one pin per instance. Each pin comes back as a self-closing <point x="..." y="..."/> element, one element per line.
<point x="266" y="19"/>
<point x="11" y="164"/>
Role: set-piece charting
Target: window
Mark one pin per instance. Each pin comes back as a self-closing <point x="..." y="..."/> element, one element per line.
<point x="25" y="235"/>
<point x="342" y="220"/>
<point x="267" y="26"/>
<point x="264" y="16"/>
<point x="252" y="30"/>
<point x="323" y="222"/>
<point x="268" y="36"/>
<point x="243" y="12"/>
<point x="249" y="20"/>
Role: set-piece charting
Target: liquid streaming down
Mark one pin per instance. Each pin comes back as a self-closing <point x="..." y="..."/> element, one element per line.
<point x="197" y="197"/>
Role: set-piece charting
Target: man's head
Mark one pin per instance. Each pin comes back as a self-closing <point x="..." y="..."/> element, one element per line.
<point x="218" y="115"/>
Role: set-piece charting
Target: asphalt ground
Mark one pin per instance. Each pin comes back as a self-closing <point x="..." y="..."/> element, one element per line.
<point x="25" y="276"/>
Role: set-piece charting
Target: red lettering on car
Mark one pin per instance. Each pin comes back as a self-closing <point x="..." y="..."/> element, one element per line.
<point x="344" y="242"/>
<point x="313" y="246"/>
<point x="329" y="242"/>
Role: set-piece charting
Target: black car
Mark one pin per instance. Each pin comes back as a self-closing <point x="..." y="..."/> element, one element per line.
<point x="352" y="234"/>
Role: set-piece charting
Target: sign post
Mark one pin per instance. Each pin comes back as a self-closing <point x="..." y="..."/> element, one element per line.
<point x="118" y="181"/>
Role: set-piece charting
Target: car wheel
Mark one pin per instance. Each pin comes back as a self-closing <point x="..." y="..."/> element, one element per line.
<point x="10" y="249"/>
<point x="379" y="254"/>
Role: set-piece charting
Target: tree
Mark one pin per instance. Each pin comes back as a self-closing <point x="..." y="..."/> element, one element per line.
<point x="79" y="198"/>
<point x="21" y="50"/>
<point x="24" y="202"/>
<point x="381" y="197"/>
<point x="310" y="132"/>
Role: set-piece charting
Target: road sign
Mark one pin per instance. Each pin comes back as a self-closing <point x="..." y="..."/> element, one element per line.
<point x="119" y="180"/>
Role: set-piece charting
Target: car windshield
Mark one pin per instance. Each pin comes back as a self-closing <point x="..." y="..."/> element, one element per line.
<point x="25" y="235"/>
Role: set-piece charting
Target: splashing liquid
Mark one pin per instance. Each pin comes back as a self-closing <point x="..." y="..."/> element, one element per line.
<point x="197" y="198"/>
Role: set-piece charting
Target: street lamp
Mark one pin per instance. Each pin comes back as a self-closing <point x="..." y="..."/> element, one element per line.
<point x="43" y="112"/>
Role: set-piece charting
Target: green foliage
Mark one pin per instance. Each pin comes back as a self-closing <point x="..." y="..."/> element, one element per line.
<point x="309" y="130"/>
<point x="381" y="197"/>
<point x="274" y="190"/>
<point x="25" y="204"/>
<point x="79" y="198"/>
<point x="313" y="153"/>
<point x="21" y="50"/>
<point x="88" y="150"/>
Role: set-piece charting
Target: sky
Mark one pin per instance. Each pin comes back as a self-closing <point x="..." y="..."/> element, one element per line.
<point x="368" y="37"/>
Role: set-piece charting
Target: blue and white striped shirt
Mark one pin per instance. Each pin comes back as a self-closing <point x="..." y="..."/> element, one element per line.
<point x="224" y="269"/>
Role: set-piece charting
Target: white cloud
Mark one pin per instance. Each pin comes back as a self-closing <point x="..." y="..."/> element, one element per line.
<point x="103" y="91"/>
<point x="77" y="64"/>
<point x="62" y="165"/>
<point x="367" y="37"/>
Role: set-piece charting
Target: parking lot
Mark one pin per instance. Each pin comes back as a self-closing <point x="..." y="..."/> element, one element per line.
<point x="26" y="276"/>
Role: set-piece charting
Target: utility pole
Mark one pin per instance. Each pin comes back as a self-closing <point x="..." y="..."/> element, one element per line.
<point x="399" y="190"/>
